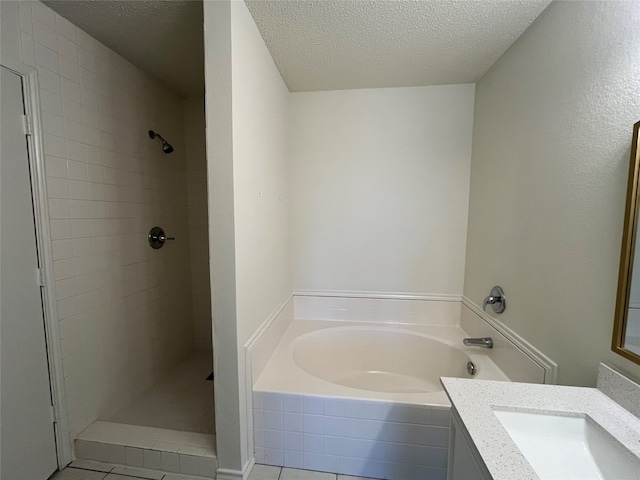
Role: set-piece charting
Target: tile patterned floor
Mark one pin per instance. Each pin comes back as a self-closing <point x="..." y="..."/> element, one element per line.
<point x="85" y="470"/>
<point x="182" y="401"/>
<point x="267" y="472"/>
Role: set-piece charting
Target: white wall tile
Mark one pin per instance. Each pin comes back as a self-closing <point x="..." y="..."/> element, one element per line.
<point x="312" y="424"/>
<point x="50" y="81"/>
<point x="293" y="422"/>
<point x="91" y="119"/>
<point x="292" y="441"/>
<point x="293" y="459"/>
<point x="272" y="401"/>
<point x="65" y="28"/>
<point x="312" y="461"/>
<point x="46" y="58"/>
<point x="189" y="464"/>
<point x="170" y="462"/>
<point x="273" y="456"/>
<point x="312" y="443"/>
<point x="43" y="14"/>
<point x="273" y="439"/>
<point x="272" y="420"/>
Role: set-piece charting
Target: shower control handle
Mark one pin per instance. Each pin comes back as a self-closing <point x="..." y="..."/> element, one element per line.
<point x="496" y="300"/>
<point x="157" y="238"/>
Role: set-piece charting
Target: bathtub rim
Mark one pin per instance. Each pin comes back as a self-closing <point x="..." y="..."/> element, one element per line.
<point x="292" y="379"/>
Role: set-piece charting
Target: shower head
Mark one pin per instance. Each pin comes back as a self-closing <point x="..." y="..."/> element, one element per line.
<point x="166" y="146"/>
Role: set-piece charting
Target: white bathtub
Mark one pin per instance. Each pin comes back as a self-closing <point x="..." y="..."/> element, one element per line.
<point x="390" y="363"/>
<point x="361" y="399"/>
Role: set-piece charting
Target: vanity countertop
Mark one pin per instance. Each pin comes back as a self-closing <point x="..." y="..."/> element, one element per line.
<point x="474" y="399"/>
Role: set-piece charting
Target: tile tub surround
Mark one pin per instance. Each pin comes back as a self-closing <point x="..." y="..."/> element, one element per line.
<point x="473" y="400"/>
<point x="351" y="437"/>
<point x="301" y="421"/>
<point x="147" y="447"/>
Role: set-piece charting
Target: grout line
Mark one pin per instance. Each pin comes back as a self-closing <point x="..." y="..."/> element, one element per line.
<point x="89" y="469"/>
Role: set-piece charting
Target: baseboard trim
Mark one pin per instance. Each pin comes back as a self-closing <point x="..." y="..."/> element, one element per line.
<point x="227" y="474"/>
<point x="246" y="471"/>
<point x="434" y="297"/>
<point x="549" y="366"/>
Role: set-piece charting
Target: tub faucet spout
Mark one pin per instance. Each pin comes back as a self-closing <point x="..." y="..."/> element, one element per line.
<point x="485" y="342"/>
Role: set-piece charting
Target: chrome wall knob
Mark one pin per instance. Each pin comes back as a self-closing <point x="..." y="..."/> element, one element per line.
<point x="496" y="300"/>
<point x="157" y="237"/>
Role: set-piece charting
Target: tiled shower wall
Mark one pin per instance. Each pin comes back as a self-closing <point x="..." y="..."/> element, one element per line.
<point x="124" y="309"/>
<point x="194" y="135"/>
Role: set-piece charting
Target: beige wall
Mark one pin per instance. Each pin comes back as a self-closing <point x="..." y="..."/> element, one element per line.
<point x="553" y="124"/>
<point x="380" y="188"/>
<point x="124" y="309"/>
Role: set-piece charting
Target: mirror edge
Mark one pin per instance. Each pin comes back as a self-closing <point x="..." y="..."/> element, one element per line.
<point x="627" y="251"/>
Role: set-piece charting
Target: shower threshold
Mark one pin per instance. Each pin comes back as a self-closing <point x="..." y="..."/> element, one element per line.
<point x="169" y="451"/>
<point x="169" y="428"/>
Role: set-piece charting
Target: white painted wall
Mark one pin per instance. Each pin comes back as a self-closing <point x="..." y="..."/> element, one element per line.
<point x="248" y="212"/>
<point x="380" y="188"/>
<point x="553" y="127"/>
<point x="260" y="175"/>
<point x="124" y="309"/>
<point x="218" y="113"/>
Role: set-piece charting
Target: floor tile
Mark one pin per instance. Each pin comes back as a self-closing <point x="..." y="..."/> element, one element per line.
<point x="77" y="474"/>
<point x="177" y="476"/>
<point x="264" y="472"/>
<point x="115" y="476"/>
<point x="182" y="400"/>
<point x="138" y="472"/>
<point x="293" y="474"/>
<point x="347" y="477"/>
<point x="91" y="465"/>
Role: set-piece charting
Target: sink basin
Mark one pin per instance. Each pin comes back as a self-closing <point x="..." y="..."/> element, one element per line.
<point x="568" y="447"/>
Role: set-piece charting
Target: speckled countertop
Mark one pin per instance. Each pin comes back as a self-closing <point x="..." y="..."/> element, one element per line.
<point x="474" y="399"/>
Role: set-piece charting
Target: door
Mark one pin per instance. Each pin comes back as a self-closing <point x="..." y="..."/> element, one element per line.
<point x="27" y="431"/>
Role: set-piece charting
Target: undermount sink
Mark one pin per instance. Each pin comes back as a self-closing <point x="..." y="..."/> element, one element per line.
<point x="568" y="447"/>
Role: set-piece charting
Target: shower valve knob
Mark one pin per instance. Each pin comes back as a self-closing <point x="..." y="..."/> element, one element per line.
<point x="157" y="237"/>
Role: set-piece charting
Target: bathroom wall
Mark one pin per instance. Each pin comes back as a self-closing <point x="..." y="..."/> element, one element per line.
<point x="248" y="206"/>
<point x="380" y="188"/>
<point x="124" y="309"/>
<point x="260" y="176"/>
<point x="553" y="124"/>
<point x="196" y="162"/>
<point x="260" y="183"/>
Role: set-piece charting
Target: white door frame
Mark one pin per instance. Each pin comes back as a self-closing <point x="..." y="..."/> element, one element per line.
<point x="43" y="235"/>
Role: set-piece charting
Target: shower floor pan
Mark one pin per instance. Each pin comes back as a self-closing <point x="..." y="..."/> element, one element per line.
<point x="170" y="428"/>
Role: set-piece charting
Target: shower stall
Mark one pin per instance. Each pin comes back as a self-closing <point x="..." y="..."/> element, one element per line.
<point x="151" y="404"/>
<point x="122" y="153"/>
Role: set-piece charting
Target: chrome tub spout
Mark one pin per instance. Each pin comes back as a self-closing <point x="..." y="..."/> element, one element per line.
<point x="484" y="342"/>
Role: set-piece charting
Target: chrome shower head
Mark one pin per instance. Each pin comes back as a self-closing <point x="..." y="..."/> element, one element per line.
<point x="166" y="146"/>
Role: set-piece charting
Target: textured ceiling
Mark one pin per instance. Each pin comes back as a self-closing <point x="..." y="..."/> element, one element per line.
<point x="339" y="44"/>
<point x="318" y="44"/>
<point x="164" y="38"/>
